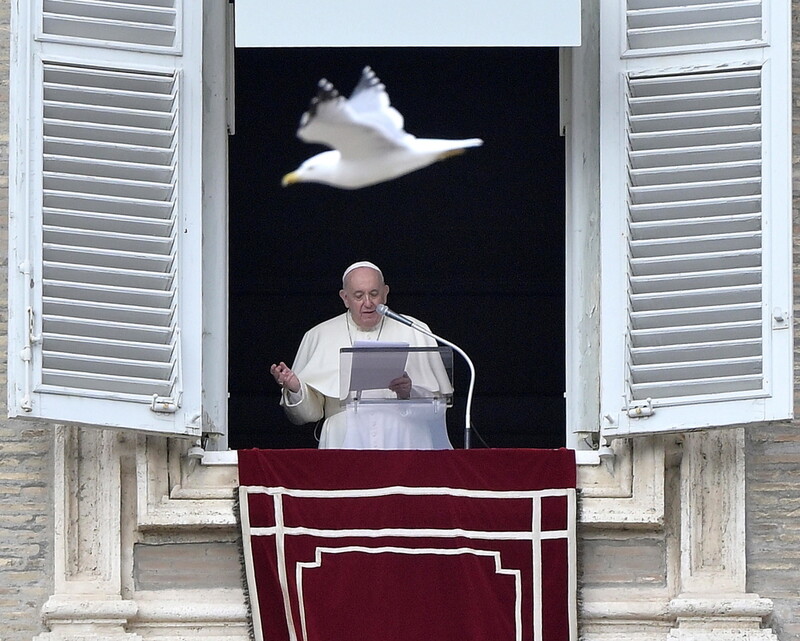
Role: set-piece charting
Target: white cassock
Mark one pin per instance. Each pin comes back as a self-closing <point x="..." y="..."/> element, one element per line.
<point x="317" y="367"/>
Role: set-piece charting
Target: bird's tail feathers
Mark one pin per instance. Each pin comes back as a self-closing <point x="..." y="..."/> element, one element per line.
<point x="452" y="152"/>
<point x="445" y="146"/>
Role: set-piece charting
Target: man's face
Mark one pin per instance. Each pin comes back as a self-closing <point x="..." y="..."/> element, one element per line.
<point x="363" y="291"/>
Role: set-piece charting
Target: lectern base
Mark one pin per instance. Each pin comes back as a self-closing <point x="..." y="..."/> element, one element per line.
<point x="404" y="425"/>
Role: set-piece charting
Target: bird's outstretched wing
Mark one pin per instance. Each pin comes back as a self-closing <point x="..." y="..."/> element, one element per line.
<point x="364" y="125"/>
<point x="370" y="101"/>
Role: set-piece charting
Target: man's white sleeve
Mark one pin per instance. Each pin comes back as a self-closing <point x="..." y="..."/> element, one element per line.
<point x="305" y="406"/>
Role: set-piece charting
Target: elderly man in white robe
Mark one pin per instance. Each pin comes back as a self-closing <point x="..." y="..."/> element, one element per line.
<point x="311" y="389"/>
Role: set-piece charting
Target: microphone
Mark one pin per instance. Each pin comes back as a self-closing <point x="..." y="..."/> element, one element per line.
<point x="383" y="310"/>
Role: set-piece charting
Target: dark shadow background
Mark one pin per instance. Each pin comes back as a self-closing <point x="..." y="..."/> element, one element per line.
<point x="474" y="246"/>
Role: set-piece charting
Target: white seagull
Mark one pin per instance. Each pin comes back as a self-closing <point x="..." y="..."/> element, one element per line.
<point x="366" y="136"/>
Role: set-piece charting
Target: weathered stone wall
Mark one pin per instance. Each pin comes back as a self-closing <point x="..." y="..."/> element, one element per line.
<point x="773" y="523"/>
<point x="773" y="453"/>
<point x="26" y="524"/>
<point x="26" y="469"/>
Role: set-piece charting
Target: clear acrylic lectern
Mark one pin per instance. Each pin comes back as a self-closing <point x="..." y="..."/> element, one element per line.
<point x="376" y="417"/>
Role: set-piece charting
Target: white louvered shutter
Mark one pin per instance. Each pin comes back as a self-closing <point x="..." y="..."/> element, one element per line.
<point x="105" y="214"/>
<point x="696" y="216"/>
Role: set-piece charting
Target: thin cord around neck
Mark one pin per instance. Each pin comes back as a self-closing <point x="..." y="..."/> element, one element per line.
<point x="347" y="321"/>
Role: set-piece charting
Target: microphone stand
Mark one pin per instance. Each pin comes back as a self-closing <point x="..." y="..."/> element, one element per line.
<point x="385" y="311"/>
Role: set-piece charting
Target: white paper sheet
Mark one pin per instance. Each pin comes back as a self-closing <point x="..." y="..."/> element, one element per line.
<point x="374" y="367"/>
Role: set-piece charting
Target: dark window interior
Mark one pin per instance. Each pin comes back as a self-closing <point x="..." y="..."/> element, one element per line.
<point x="474" y="246"/>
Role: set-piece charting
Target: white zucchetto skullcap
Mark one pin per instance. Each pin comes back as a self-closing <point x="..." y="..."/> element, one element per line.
<point x="361" y="263"/>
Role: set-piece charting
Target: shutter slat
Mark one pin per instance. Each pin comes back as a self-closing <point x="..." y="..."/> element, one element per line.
<point x="105" y="383"/>
<point x="106" y="329"/>
<point x="111" y="80"/>
<point x="664" y="13"/>
<point x="95" y="311"/>
<point x="106" y="204"/>
<point x="151" y="3"/>
<point x="697" y="84"/>
<point x="696" y="298"/>
<point x="703" y="315"/>
<point x="110" y="348"/>
<point x="87" y="256"/>
<point x="88" y="94"/>
<point x="697" y="119"/>
<point x="695" y="280"/>
<point x="107" y="293"/>
<point x="662" y="4"/>
<point x="693" y="208"/>
<point x="684" y="352"/>
<point x="111" y="150"/>
<point x="122" y="224"/>
<point x="664" y="265"/>
<point x="95" y="114"/>
<point x="709" y="189"/>
<point x="684" y="35"/>
<point x="706" y="244"/>
<point x="699" y="387"/>
<point x="114" y="276"/>
<point x="120" y="170"/>
<point x="89" y="238"/>
<point x="101" y="365"/>
<point x="101" y="185"/>
<point x="695" y="226"/>
<point x="692" y="173"/>
<point x="685" y="334"/>
<point x="716" y="368"/>
<point x="104" y="132"/>
<point x="676" y="103"/>
<point x="696" y="137"/>
<point x="667" y="156"/>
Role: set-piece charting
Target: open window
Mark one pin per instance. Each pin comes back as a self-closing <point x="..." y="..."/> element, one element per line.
<point x="473" y="246"/>
<point x="678" y="277"/>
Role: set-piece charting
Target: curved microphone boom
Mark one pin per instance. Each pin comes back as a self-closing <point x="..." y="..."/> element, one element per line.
<point x="383" y="310"/>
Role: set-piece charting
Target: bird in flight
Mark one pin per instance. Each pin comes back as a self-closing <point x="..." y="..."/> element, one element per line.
<point x="368" y="144"/>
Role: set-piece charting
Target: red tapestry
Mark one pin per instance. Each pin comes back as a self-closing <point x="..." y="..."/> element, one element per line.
<point x="460" y="545"/>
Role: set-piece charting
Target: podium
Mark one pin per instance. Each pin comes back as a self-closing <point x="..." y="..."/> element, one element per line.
<point x="376" y="418"/>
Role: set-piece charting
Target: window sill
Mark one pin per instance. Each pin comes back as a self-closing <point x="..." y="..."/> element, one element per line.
<point x="175" y="490"/>
<point x="225" y="457"/>
<point x="231" y="457"/>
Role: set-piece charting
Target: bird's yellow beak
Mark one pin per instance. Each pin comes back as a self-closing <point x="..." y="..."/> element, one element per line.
<point x="290" y="179"/>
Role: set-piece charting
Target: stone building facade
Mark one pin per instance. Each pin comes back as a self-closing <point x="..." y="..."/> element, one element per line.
<point x="26" y="463"/>
<point x="109" y="535"/>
